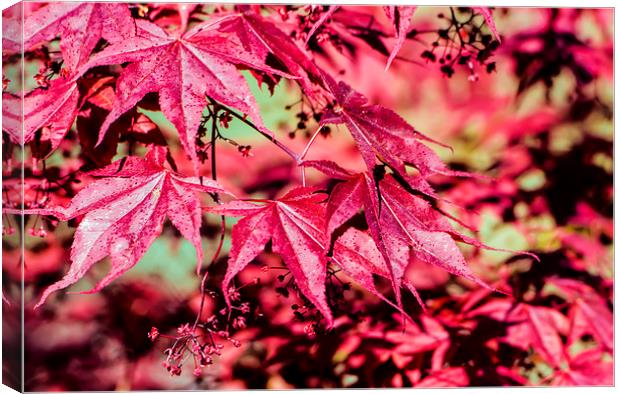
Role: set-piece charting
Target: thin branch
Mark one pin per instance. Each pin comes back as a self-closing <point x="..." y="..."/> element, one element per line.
<point x="216" y="198"/>
<point x="305" y="152"/>
<point x="271" y="138"/>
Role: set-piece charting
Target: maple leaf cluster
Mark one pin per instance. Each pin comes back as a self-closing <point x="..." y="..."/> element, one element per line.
<point x="142" y="104"/>
<point x="190" y="68"/>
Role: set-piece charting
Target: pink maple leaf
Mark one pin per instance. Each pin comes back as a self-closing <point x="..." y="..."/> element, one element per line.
<point x="80" y="26"/>
<point x="124" y="212"/>
<point x="400" y="16"/>
<point x="295" y="224"/>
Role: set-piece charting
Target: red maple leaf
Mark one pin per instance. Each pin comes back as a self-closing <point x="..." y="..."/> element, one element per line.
<point x="11" y="30"/>
<point x="532" y="326"/>
<point x="124" y="212"/>
<point x="183" y="12"/>
<point x="185" y="68"/>
<point x="429" y="335"/>
<point x="401" y="19"/>
<point x="52" y="111"/>
<point x="446" y="377"/>
<point x="404" y="226"/>
<point x="264" y="39"/>
<point x="357" y="255"/>
<point x="80" y="27"/>
<point x="380" y="132"/>
<point x="11" y="117"/>
<point x="588" y="368"/>
<point x="322" y="19"/>
<point x="295" y="225"/>
<point x="588" y="314"/>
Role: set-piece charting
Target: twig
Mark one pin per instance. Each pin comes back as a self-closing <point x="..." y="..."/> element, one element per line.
<point x="216" y="198"/>
<point x="271" y="138"/>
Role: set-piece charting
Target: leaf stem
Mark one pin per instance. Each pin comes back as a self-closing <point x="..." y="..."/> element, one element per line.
<point x="305" y="152"/>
